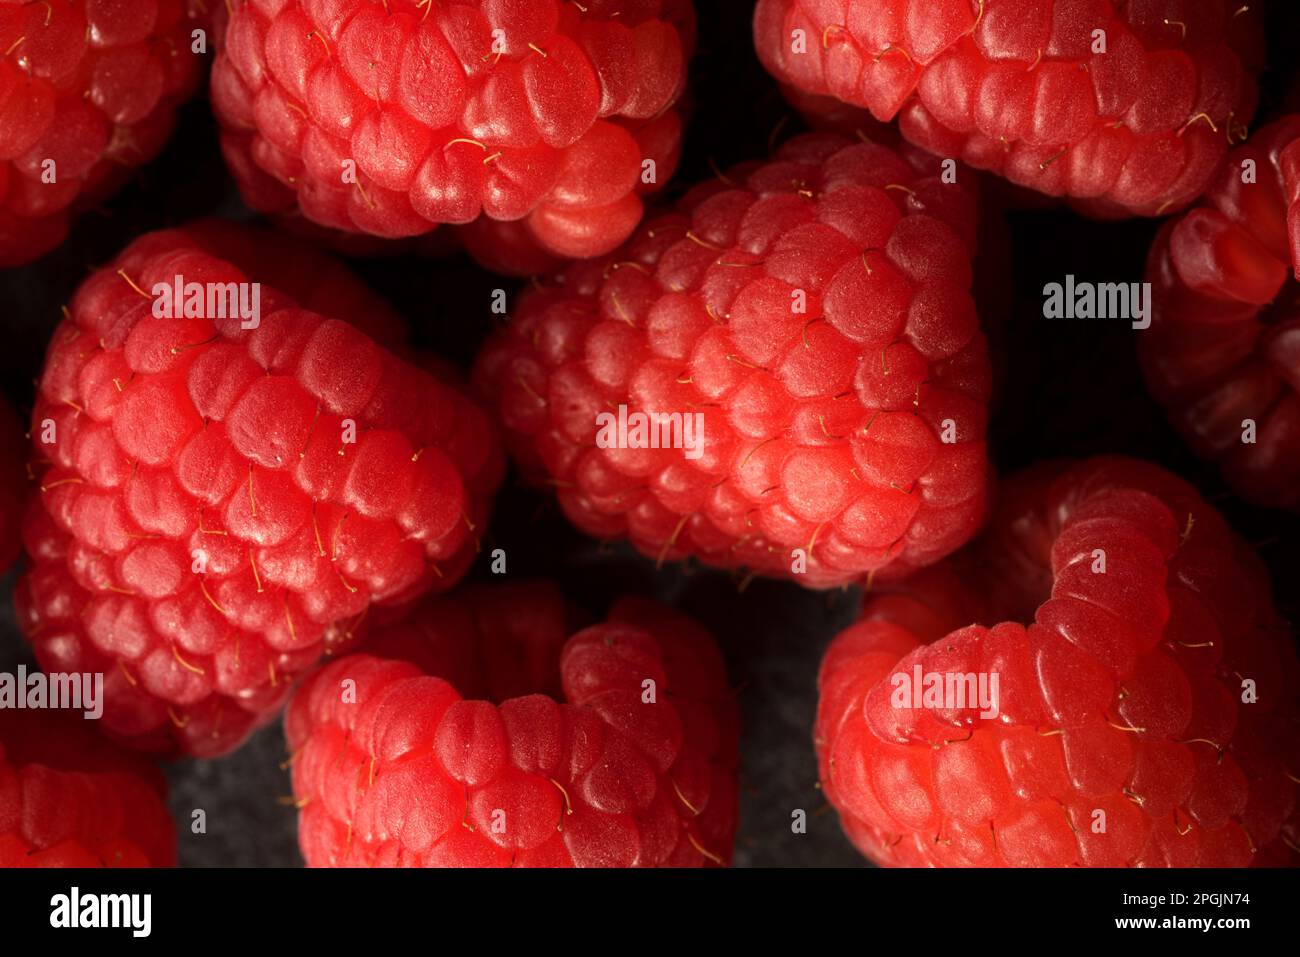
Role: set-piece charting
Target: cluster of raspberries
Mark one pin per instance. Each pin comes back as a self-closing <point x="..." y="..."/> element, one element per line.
<point x="246" y="493"/>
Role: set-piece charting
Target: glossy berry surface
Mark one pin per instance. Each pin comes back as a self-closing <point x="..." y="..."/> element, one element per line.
<point x="14" y="485"/>
<point x="68" y="798"/>
<point x="483" y="732"/>
<point x="1223" y="351"/>
<point x="814" y="314"/>
<point x="392" y="117"/>
<point x="220" y="505"/>
<point x="88" y="92"/>
<point x="1126" y="106"/>
<point x="1148" y="705"/>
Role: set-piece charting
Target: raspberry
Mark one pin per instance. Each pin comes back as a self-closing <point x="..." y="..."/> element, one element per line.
<point x="1122" y="736"/>
<point x="814" y="313"/>
<point x="1223" y="351"/>
<point x="13" y="486"/>
<point x="209" y="522"/>
<point x="827" y="114"/>
<point x="91" y="87"/>
<point x="68" y="798"/>
<point x="506" y="248"/>
<point x="1023" y="87"/>
<point x="508" y="743"/>
<point x="535" y="111"/>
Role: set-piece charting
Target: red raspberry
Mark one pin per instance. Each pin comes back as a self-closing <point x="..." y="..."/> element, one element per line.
<point x="207" y="525"/>
<point x="505" y="744"/>
<point x="506" y="248"/>
<point x="1223" y="350"/>
<point x="1123" y="694"/>
<point x="1021" y="88"/>
<point x="68" y="798"/>
<point x="93" y="86"/>
<point x="827" y="114"/>
<point x="13" y="485"/>
<point x="530" y="110"/>
<point x="852" y="430"/>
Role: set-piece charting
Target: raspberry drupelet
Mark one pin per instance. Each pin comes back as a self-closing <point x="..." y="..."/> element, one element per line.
<point x="14" y="485"/>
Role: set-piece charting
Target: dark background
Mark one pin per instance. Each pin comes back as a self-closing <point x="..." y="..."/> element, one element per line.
<point x="1068" y="389"/>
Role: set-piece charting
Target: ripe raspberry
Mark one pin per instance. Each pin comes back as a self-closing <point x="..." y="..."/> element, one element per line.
<point x="1022" y="87"/>
<point x="815" y="311"/>
<point x="827" y="114"/>
<point x="68" y="798"/>
<point x="536" y="111"/>
<point x="1223" y="350"/>
<point x="505" y="744"/>
<point x="91" y="86"/>
<point x="1123" y="695"/>
<point x="506" y="248"/>
<point x="209" y="523"/>
<point x="13" y="485"/>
